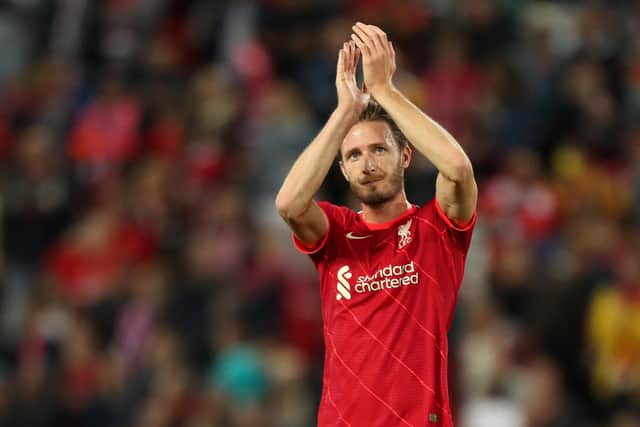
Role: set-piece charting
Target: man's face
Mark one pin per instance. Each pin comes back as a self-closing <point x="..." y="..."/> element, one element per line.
<point x="372" y="163"/>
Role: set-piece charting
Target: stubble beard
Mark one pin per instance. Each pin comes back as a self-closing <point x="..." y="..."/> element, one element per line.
<point x="379" y="197"/>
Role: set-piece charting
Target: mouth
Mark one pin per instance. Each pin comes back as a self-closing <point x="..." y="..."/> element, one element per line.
<point x="371" y="181"/>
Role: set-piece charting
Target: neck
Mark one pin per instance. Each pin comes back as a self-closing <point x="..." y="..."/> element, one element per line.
<point x="386" y="211"/>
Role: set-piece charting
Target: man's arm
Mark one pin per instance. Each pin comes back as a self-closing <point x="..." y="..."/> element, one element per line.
<point x="295" y="202"/>
<point x="456" y="189"/>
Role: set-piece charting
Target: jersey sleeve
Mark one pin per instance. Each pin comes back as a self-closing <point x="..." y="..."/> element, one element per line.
<point x="457" y="237"/>
<point x="335" y="218"/>
<point x="460" y="235"/>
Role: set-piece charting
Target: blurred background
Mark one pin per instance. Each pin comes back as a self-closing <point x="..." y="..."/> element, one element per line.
<point x="146" y="280"/>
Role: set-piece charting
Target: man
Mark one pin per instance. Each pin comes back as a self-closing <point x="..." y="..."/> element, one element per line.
<point x="390" y="273"/>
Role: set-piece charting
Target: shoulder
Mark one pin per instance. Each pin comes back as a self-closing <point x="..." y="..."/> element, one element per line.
<point x="337" y="214"/>
<point x="432" y="215"/>
<point x="431" y="211"/>
<point x="340" y="218"/>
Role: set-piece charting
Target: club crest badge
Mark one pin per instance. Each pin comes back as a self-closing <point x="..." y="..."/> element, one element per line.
<point x="404" y="234"/>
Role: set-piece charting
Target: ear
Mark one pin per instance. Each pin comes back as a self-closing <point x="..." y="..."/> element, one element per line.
<point x="406" y="156"/>
<point x="343" y="170"/>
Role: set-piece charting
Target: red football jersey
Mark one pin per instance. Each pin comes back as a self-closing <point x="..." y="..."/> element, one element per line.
<point x="388" y="295"/>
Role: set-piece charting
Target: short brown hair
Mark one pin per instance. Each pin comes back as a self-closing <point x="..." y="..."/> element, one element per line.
<point x="374" y="112"/>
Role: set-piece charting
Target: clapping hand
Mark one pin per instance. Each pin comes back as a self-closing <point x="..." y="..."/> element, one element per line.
<point x="350" y="97"/>
<point x="378" y="57"/>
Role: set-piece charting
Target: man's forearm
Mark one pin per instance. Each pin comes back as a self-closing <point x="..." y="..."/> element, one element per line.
<point x="427" y="136"/>
<point x="311" y="167"/>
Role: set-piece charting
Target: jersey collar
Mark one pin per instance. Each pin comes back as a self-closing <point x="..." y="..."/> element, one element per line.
<point x="384" y="225"/>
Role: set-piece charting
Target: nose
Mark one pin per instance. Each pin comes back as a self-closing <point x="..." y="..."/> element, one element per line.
<point x="368" y="165"/>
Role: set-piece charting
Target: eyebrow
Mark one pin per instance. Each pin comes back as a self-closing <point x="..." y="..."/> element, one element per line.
<point x="369" y="145"/>
<point x="377" y="144"/>
<point x="348" y="153"/>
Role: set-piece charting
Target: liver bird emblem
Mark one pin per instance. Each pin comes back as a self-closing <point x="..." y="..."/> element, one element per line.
<point x="404" y="233"/>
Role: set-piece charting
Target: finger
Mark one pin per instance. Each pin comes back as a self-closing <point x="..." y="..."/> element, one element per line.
<point x="378" y="31"/>
<point x="339" y="65"/>
<point x="365" y="39"/>
<point x="366" y="35"/>
<point x="352" y="56"/>
<point x="379" y="36"/>
<point x="393" y="54"/>
<point x="344" y="61"/>
<point x="387" y="48"/>
<point x="364" y="49"/>
<point x="345" y="57"/>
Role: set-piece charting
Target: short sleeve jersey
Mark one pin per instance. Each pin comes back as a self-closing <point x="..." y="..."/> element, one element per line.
<point x="388" y="293"/>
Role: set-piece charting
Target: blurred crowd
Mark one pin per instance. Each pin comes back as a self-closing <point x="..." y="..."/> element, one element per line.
<point x="146" y="280"/>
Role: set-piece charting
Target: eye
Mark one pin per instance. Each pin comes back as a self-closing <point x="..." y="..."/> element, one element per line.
<point x="354" y="155"/>
<point x="380" y="149"/>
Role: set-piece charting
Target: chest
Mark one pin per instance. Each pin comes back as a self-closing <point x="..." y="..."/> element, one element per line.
<point x="370" y="268"/>
<point x="371" y="250"/>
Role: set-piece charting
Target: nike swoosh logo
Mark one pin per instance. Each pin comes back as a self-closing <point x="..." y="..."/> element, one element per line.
<point x="350" y="235"/>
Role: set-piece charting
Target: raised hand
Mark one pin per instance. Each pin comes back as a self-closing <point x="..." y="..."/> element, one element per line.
<point x="378" y="56"/>
<point x="350" y="97"/>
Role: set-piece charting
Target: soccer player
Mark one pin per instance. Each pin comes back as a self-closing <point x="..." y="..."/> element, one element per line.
<point x="389" y="273"/>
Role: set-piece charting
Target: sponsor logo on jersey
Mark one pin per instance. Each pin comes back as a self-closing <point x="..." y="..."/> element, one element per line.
<point x="404" y="234"/>
<point x="389" y="277"/>
<point x="343" y="285"/>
